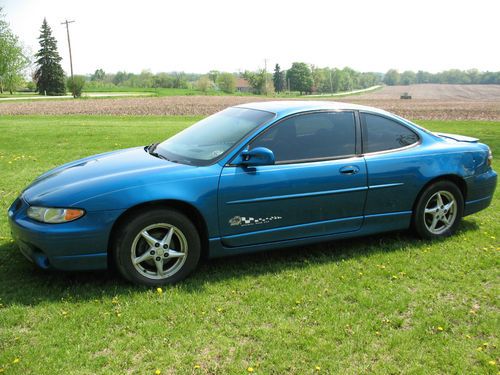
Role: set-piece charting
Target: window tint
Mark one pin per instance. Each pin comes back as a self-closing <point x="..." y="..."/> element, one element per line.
<point x="311" y="136"/>
<point x="214" y="135"/>
<point x="381" y="134"/>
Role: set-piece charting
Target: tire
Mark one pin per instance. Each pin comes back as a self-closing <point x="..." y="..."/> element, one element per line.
<point x="164" y="244"/>
<point x="438" y="211"/>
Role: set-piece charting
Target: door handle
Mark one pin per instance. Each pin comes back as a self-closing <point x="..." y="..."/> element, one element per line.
<point x="350" y="169"/>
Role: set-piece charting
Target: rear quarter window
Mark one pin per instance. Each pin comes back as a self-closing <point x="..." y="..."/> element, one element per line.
<point x="383" y="134"/>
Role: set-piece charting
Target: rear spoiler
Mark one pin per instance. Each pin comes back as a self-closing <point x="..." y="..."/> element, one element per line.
<point x="458" y="138"/>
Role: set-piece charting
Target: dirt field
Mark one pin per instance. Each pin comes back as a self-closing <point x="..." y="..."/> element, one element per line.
<point x="440" y="102"/>
<point x="437" y="92"/>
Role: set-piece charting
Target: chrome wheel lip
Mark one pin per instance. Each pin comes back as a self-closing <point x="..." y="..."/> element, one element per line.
<point x="180" y="254"/>
<point x="440" y="212"/>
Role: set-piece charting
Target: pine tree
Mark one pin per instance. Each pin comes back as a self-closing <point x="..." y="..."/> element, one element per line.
<point x="278" y="79"/>
<point x="49" y="76"/>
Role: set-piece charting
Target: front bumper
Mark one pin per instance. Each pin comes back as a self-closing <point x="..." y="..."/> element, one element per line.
<point x="78" y="245"/>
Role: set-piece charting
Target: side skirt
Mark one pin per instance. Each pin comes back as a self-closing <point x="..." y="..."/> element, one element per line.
<point x="372" y="224"/>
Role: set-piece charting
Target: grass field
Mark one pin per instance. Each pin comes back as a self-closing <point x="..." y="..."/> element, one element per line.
<point x="383" y="304"/>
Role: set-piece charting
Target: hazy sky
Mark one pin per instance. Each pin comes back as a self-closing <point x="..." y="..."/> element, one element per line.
<point x="197" y="36"/>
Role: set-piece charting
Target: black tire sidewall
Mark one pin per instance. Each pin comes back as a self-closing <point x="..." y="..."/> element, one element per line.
<point x="136" y="223"/>
<point x="418" y="215"/>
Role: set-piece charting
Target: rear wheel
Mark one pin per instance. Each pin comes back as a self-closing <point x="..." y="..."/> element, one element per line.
<point x="438" y="211"/>
<point x="157" y="247"/>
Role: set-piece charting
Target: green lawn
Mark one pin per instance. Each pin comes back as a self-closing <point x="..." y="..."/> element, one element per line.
<point x="384" y="304"/>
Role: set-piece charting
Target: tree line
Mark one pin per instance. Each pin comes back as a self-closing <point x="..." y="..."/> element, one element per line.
<point x="48" y="78"/>
<point x="301" y="77"/>
<point x="452" y="76"/>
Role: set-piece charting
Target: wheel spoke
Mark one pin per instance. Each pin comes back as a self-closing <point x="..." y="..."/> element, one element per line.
<point x="439" y="200"/>
<point x="175" y="254"/>
<point x="434" y="223"/>
<point x="168" y="237"/>
<point x="149" y="239"/>
<point x="143" y="257"/>
<point x="445" y="220"/>
<point x="431" y="211"/>
<point x="449" y="205"/>
<point x="159" y="266"/>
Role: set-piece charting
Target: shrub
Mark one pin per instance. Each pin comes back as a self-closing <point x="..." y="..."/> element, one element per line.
<point x="75" y="85"/>
<point x="204" y="84"/>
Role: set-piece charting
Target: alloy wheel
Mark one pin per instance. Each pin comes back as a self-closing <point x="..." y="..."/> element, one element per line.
<point x="159" y="251"/>
<point x="440" y="212"/>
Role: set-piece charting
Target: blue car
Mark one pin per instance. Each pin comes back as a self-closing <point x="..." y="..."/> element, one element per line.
<point x="252" y="177"/>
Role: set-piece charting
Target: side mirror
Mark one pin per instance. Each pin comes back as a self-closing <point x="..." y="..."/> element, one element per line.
<point x="257" y="156"/>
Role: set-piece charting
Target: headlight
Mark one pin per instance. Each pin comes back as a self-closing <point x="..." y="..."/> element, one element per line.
<point x="54" y="215"/>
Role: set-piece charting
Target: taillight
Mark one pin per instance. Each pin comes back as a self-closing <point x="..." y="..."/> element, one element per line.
<point x="490" y="157"/>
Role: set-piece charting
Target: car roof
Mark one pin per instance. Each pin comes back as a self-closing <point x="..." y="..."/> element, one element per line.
<point x="287" y="107"/>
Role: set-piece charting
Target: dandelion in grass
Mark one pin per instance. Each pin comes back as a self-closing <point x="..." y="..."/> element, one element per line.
<point x="492" y="363"/>
<point x="16" y="360"/>
<point x="197" y="367"/>
<point x="250" y="369"/>
<point x="317" y="368"/>
<point x="157" y="372"/>
<point x="159" y="290"/>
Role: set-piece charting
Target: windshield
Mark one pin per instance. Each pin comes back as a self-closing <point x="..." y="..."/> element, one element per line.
<point x="211" y="137"/>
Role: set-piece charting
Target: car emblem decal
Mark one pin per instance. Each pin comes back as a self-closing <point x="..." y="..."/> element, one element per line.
<point x="247" y="221"/>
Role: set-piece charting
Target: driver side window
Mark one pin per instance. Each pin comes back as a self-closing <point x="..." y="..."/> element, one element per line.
<point x="311" y="136"/>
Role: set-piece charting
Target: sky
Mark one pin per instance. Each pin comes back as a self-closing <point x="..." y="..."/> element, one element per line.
<point x="238" y="35"/>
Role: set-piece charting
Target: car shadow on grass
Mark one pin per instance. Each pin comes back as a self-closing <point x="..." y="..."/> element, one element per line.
<point x="22" y="283"/>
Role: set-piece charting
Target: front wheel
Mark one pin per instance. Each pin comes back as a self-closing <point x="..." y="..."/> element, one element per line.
<point x="438" y="211"/>
<point x="157" y="247"/>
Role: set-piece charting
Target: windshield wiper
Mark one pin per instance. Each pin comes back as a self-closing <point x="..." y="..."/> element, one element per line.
<point x="152" y="147"/>
<point x="151" y="150"/>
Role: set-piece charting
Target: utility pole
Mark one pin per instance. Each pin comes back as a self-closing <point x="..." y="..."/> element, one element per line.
<point x="331" y="83"/>
<point x="265" y="74"/>
<point x="69" y="46"/>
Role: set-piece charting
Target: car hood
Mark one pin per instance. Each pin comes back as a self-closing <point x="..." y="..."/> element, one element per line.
<point x="83" y="179"/>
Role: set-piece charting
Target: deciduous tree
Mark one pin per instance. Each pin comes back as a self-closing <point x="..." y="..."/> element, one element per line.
<point x="13" y="59"/>
<point x="300" y="77"/>
<point x="226" y="82"/>
<point x="98" y="75"/>
<point x="392" y="77"/>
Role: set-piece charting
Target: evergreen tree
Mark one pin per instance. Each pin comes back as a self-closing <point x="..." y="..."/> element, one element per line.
<point x="49" y="76"/>
<point x="278" y="79"/>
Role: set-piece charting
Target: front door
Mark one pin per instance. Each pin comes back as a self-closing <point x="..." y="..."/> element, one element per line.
<point x="317" y="186"/>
